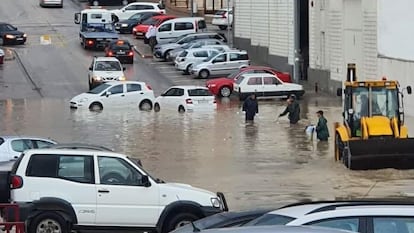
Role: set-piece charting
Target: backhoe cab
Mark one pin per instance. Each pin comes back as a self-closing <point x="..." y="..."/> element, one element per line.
<point x="373" y="134"/>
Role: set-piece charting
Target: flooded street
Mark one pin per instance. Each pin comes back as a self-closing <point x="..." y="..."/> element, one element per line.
<point x="258" y="165"/>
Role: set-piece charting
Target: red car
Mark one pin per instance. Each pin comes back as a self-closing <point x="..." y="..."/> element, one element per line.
<point x="140" y="30"/>
<point x="224" y="86"/>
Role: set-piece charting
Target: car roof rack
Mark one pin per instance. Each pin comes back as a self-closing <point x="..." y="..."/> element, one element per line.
<point x="80" y="146"/>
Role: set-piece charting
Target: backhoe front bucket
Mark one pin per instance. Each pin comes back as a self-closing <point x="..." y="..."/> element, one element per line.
<point x="377" y="153"/>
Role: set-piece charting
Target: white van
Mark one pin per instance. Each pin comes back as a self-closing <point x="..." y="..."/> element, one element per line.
<point x="57" y="3"/>
<point x="173" y="28"/>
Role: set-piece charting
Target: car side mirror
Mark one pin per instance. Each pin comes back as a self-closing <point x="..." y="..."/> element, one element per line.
<point x="163" y="94"/>
<point x="339" y="92"/>
<point x="145" y="181"/>
<point x="77" y="18"/>
<point x="108" y="93"/>
<point x="123" y="68"/>
<point x="91" y="68"/>
<point x="409" y="91"/>
<point x="123" y="10"/>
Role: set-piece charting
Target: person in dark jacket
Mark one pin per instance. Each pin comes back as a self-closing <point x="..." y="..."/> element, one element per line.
<point x="293" y="109"/>
<point x="250" y="107"/>
<point x="322" y="132"/>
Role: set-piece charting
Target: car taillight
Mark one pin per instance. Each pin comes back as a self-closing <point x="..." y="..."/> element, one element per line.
<point x="110" y="54"/>
<point x="224" y="15"/>
<point x="189" y="101"/>
<point x="131" y="53"/>
<point x="214" y="101"/>
<point x="134" y="29"/>
<point x="16" y="182"/>
<point x="149" y="87"/>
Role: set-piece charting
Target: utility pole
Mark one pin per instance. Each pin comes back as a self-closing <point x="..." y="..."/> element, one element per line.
<point x="296" y="35"/>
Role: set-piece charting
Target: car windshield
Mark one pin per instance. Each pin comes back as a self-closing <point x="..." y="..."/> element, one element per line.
<point x="108" y="66"/>
<point x="98" y="27"/>
<point x="99" y="89"/>
<point x="382" y="102"/>
<point x="137" y="16"/>
<point x="270" y="219"/>
<point x="7" y="28"/>
<point x="233" y="75"/>
<point x="199" y="92"/>
<point x="179" y="38"/>
<point x="124" y="46"/>
<point x="212" y="55"/>
<point x="150" y="21"/>
<point x="187" y="46"/>
<point x="183" y="54"/>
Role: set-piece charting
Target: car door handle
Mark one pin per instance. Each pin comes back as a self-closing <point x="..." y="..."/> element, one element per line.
<point x="103" y="191"/>
<point x="141" y="93"/>
<point x="122" y="95"/>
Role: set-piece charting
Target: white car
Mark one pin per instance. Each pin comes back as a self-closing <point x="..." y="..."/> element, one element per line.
<point x="116" y="94"/>
<point x="265" y="85"/>
<point x="374" y="216"/>
<point x="105" y="69"/>
<point x="189" y="57"/>
<point x="136" y="7"/>
<point x="223" y="18"/>
<point x="11" y="147"/>
<point x="186" y="98"/>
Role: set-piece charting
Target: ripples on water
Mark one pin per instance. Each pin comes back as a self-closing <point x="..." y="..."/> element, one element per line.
<point x="254" y="165"/>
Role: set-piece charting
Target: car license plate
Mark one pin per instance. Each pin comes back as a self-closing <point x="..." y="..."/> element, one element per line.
<point x="139" y="33"/>
<point x="19" y="39"/>
<point x="117" y="27"/>
<point x="203" y="101"/>
<point x="99" y="39"/>
<point x="120" y="52"/>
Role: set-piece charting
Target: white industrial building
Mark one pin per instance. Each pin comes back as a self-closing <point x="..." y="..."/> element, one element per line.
<point x="376" y="35"/>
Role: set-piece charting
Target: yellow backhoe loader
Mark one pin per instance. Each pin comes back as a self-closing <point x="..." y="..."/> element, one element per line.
<point x="373" y="134"/>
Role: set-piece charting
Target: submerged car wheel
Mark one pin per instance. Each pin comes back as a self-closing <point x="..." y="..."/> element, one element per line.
<point x="181" y="109"/>
<point x="96" y="107"/>
<point x="225" y="91"/>
<point x="157" y="107"/>
<point x="145" y="105"/>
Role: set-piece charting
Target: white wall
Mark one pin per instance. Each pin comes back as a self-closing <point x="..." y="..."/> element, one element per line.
<point x="395" y="28"/>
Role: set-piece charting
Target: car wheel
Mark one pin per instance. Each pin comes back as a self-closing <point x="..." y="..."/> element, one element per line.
<point x="168" y="55"/>
<point x="145" y="105"/>
<point x="179" y="220"/>
<point x="157" y="107"/>
<point x="188" y="69"/>
<point x="96" y="107"/>
<point x="181" y="109"/>
<point x="223" y="27"/>
<point x="48" y="222"/>
<point x="225" y="91"/>
<point x="124" y="2"/>
<point x="90" y="85"/>
<point x="95" y="3"/>
<point x="204" y="74"/>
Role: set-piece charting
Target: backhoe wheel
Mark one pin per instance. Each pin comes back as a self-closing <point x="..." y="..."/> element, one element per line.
<point x="346" y="158"/>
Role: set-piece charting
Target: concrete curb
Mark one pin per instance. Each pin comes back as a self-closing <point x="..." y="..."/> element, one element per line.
<point x="141" y="54"/>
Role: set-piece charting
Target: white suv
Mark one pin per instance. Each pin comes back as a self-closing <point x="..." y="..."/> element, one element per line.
<point x="221" y="64"/>
<point x="60" y="190"/>
<point x="105" y="69"/>
<point x="357" y="216"/>
<point x="136" y="7"/>
<point x="189" y="57"/>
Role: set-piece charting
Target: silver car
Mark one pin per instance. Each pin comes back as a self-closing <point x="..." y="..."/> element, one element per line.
<point x="12" y="146"/>
<point x="194" y="45"/>
<point x="222" y="64"/>
<point x="274" y="229"/>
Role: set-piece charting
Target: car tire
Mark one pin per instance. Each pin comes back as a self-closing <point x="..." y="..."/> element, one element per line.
<point x="49" y="222"/>
<point x="157" y="107"/>
<point x="222" y="27"/>
<point x="188" y="68"/>
<point x="145" y="105"/>
<point x="204" y="74"/>
<point x="167" y="55"/>
<point x="181" y="109"/>
<point x="225" y="91"/>
<point x="179" y="220"/>
<point x="95" y="106"/>
<point x="90" y="86"/>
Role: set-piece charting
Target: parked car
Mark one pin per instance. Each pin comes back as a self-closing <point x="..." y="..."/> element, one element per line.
<point x="163" y="50"/>
<point x="2" y="54"/>
<point x="55" y="3"/>
<point x="105" y="69"/>
<point x="276" y="229"/>
<point x="193" y="45"/>
<point x="364" y="216"/>
<point x="186" y="98"/>
<point x="223" y="18"/>
<point x="136" y="7"/>
<point x="127" y="25"/>
<point x="265" y="85"/>
<point x="222" y="220"/>
<point x="141" y="29"/>
<point x="221" y="64"/>
<point x="10" y="35"/>
<point x="170" y="30"/>
<point x="58" y="190"/>
<point x="116" y="94"/>
<point x="109" y="2"/>
<point x="122" y="50"/>
<point x="189" y="57"/>
<point x="224" y="86"/>
<point x="11" y="147"/>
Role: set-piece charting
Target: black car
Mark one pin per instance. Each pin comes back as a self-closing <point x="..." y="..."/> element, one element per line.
<point x="10" y="35"/>
<point x="122" y="50"/>
<point x="222" y="220"/>
<point x="126" y="26"/>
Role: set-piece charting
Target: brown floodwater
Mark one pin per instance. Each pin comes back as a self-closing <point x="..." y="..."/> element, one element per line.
<point x="259" y="165"/>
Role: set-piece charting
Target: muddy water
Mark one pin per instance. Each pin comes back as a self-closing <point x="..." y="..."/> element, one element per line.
<point x="258" y="165"/>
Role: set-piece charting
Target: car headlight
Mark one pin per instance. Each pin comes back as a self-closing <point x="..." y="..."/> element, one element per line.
<point x="10" y="36"/>
<point x="96" y="78"/>
<point x="216" y="202"/>
<point x="25" y="35"/>
<point x="122" y="78"/>
<point x="134" y="29"/>
<point x="124" y="25"/>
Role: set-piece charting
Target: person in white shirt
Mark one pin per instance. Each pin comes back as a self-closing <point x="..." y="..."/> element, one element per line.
<point x="151" y="36"/>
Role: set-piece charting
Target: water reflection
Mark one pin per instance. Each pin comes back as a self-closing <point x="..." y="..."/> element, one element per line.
<point x="254" y="165"/>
